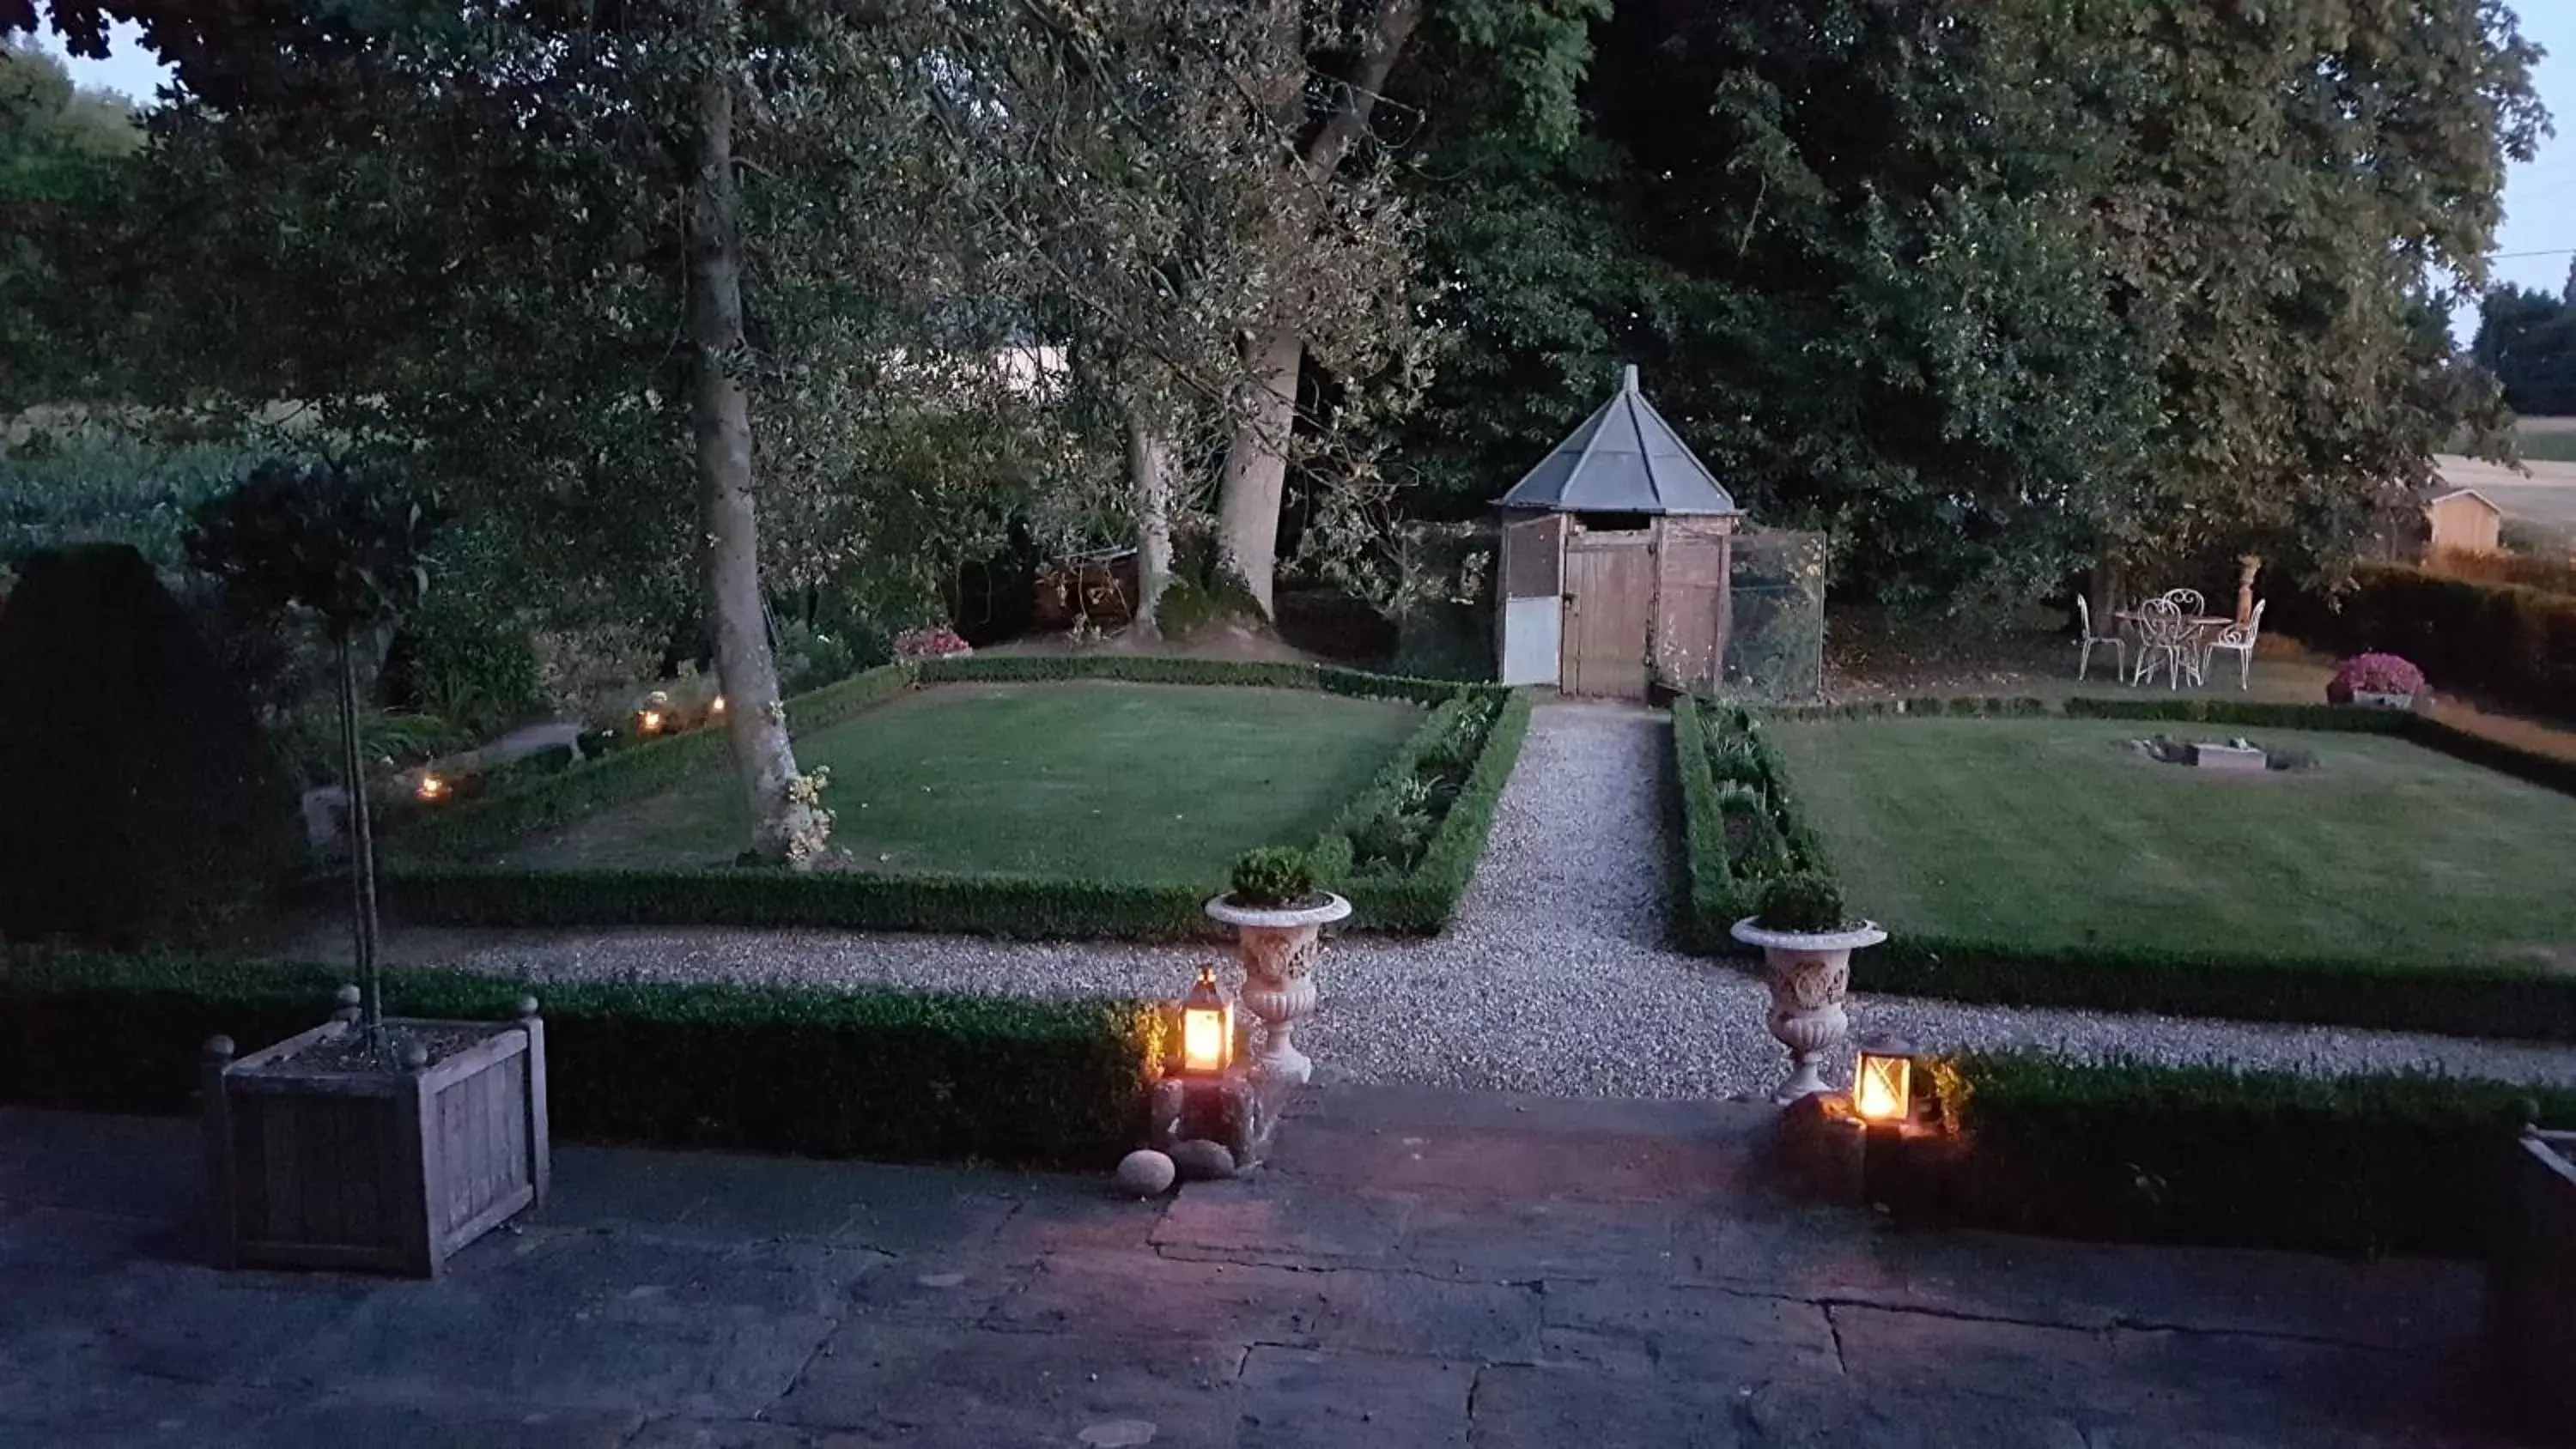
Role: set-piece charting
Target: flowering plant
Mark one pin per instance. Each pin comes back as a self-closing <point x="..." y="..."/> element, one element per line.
<point x="2373" y="674"/>
<point x="936" y="642"/>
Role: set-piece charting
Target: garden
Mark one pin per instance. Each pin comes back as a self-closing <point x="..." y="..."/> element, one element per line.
<point x="2370" y="868"/>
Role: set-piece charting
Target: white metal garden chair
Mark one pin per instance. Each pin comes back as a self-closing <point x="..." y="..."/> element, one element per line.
<point x="2166" y="635"/>
<point x="2092" y="641"/>
<point x="2239" y="640"/>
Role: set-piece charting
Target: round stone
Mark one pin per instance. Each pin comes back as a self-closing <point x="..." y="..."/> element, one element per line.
<point x="1146" y="1173"/>
<point x="1201" y="1160"/>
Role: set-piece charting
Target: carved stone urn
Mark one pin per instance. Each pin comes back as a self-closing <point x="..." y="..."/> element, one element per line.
<point x="1809" y="973"/>
<point x="1279" y="945"/>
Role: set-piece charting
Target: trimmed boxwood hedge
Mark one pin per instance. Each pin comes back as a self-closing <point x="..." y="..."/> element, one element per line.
<point x="1719" y="891"/>
<point x="867" y="1073"/>
<point x="430" y="885"/>
<point x="2505" y="642"/>
<point x="2495" y="1001"/>
<point x="2131" y="1152"/>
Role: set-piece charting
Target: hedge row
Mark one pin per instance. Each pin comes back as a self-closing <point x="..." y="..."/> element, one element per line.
<point x="2365" y="1164"/>
<point x="2464" y="1000"/>
<point x="1139" y="669"/>
<point x="1726" y="765"/>
<point x="869" y="1073"/>
<point x="1037" y="908"/>
<point x="493" y="822"/>
<point x="1422" y="900"/>
<point x="2503" y="642"/>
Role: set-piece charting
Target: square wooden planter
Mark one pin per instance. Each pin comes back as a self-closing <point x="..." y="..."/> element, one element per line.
<point x="377" y="1169"/>
<point x="2532" y="1281"/>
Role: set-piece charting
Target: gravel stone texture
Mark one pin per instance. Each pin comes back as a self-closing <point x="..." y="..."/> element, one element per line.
<point x="1555" y="977"/>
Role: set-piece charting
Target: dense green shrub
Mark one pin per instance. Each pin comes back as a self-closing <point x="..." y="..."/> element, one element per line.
<point x="1028" y="908"/>
<point x="1800" y="900"/>
<point x="1422" y="900"/>
<point x="1144" y="669"/>
<point x="465" y="658"/>
<point x="137" y="796"/>
<point x="2124" y="1151"/>
<point x="872" y="1072"/>
<point x="1273" y="876"/>
<point x="2504" y="642"/>
<point x="96" y="483"/>
<point x="2549" y="575"/>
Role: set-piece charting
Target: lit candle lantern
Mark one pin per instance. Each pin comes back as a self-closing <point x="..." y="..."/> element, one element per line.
<point x="1883" y="1081"/>
<point x="1207" y="1027"/>
<point x="650" y="721"/>
<point x="716" y="706"/>
<point x="430" y="787"/>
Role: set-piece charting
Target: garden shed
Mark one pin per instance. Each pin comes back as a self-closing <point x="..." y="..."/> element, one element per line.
<point x="1618" y="557"/>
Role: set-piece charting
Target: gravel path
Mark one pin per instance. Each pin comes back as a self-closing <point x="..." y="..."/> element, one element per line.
<point x="1554" y="978"/>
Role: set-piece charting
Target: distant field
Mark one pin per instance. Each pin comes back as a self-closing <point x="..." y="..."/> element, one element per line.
<point x="2546" y="440"/>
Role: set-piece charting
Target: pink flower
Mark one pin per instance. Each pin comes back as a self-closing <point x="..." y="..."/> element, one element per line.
<point x="936" y="642"/>
<point x="2373" y="674"/>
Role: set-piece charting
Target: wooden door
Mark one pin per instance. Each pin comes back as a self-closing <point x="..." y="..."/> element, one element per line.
<point x="1693" y="617"/>
<point x="1609" y="592"/>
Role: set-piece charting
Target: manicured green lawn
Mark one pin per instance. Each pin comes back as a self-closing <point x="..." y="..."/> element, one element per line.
<point x="2051" y="833"/>
<point x="1121" y="782"/>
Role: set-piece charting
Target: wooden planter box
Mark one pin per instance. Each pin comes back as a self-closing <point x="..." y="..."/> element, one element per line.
<point x="2531" y="1283"/>
<point x="383" y="1170"/>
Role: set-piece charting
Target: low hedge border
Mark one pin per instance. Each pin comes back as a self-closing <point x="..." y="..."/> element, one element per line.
<point x="1719" y="890"/>
<point x="444" y="892"/>
<point x="2126" y="1151"/>
<point x="2377" y="993"/>
<point x="1421" y="901"/>
<point x="902" y="1075"/>
<point x="2504" y="641"/>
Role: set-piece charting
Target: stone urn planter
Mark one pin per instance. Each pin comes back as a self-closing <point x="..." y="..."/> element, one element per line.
<point x="321" y="1154"/>
<point x="1809" y="973"/>
<point x="1279" y="945"/>
<point x="2371" y="700"/>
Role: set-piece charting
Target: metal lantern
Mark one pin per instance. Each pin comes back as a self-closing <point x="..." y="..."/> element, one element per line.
<point x="1207" y="1028"/>
<point x="1883" y="1081"/>
<point x="649" y="721"/>
<point x="429" y="787"/>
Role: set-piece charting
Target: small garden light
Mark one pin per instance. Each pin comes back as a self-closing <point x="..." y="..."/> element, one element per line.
<point x="1883" y="1081"/>
<point x="1207" y="1028"/>
<point x="429" y="787"/>
<point x="649" y="722"/>
<point x="715" y="706"/>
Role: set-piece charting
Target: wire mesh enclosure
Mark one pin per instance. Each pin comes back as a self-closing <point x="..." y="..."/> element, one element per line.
<point x="1775" y="645"/>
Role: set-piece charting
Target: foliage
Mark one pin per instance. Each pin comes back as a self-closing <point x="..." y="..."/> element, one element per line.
<point x="2527" y="340"/>
<point x="938" y="642"/>
<point x="876" y="1072"/>
<point x="2549" y="575"/>
<point x="1151" y="669"/>
<point x="1801" y="901"/>
<point x="343" y="541"/>
<point x="1423" y="899"/>
<point x="100" y="481"/>
<point x="1727" y="868"/>
<point x="65" y="155"/>
<point x="466" y="658"/>
<point x="2505" y="643"/>
<point x="2398" y="1164"/>
<point x="2373" y="674"/>
<point x="137" y="797"/>
<point x="1272" y="877"/>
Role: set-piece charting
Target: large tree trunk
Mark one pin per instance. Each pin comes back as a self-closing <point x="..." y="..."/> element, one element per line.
<point x="1254" y="484"/>
<point x="1149" y="468"/>
<point x="720" y="419"/>
<point x="1255" y="481"/>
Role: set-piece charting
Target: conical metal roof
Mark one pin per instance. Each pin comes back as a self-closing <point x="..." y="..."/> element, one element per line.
<point x="1624" y="459"/>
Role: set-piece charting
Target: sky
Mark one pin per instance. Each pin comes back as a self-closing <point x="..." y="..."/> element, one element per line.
<point x="2533" y="249"/>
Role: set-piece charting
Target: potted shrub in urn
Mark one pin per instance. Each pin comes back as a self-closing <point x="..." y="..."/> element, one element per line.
<point x="1806" y="942"/>
<point x="1278" y="915"/>
<point x="2383" y="681"/>
<point x="366" y="1142"/>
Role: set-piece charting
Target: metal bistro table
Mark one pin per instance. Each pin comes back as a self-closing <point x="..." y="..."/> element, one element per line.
<point x="2183" y="639"/>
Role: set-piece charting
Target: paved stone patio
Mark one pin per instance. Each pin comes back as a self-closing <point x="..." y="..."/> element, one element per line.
<point x="1418" y="1267"/>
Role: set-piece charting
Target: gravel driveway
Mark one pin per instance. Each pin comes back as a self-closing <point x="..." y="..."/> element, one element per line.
<point x="1554" y="978"/>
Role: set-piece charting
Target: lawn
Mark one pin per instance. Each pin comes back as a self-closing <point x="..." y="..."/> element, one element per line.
<point x="2048" y="833"/>
<point x="1155" y="784"/>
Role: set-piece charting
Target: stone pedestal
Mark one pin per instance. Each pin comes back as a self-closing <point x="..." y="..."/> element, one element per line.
<point x="1809" y="973"/>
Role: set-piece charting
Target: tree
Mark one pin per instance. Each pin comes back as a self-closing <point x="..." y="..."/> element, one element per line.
<point x="1331" y="118"/>
<point x="347" y="545"/>
<point x="2527" y="341"/>
<point x="64" y="155"/>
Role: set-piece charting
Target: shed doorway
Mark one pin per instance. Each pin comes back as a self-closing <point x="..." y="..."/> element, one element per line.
<point x="1609" y="596"/>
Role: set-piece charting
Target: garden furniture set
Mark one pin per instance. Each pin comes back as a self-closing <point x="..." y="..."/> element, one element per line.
<point x="2176" y="631"/>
